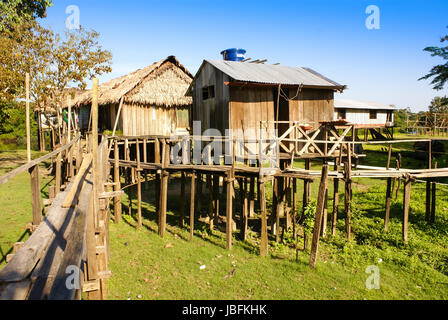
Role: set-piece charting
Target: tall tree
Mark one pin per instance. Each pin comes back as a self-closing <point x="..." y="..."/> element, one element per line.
<point x="16" y="12"/>
<point x="439" y="105"/>
<point x="54" y="62"/>
<point x="440" y="72"/>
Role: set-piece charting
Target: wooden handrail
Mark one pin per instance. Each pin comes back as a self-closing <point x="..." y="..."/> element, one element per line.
<point x="10" y="175"/>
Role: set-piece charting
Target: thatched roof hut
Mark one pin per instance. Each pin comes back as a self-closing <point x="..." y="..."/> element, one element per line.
<point x="153" y="100"/>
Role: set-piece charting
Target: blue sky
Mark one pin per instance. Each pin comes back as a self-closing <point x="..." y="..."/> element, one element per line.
<point x="329" y="36"/>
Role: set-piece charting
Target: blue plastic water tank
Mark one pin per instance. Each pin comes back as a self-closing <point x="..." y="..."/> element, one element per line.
<point x="234" y="54"/>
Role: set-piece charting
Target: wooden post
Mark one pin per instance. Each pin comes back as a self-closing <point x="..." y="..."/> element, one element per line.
<point x="428" y="185"/>
<point x="433" y="200"/>
<point x="35" y="195"/>
<point x="69" y="117"/>
<point x="348" y="195"/>
<point x="139" y="186"/>
<point x="280" y="206"/>
<point x="192" y="191"/>
<point x="182" y="199"/>
<point x="210" y="201"/>
<point x="252" y="197"/>
<point x="264" y="222"/>
<point x="319" y="215"/>
<point x="294" y="208"/>
<point x="95" y="167"/>
<point x="117" y="186"/>
<point x="229" y="196"/>
<point x="163" y="190"/>
<point x="334" y="218"/>
<point x="28" y="134"/>
<point x="244" y="209"/>
<point x="216" y="194"/>
<point x="406" y="202"/>
<point x="388" y="192"/>
<point x="306" y="186"/>
<point x="325" y="215"/>
<point x="58" y="178"/>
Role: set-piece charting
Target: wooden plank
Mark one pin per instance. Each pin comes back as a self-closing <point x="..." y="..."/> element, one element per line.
<point x="15" y="291"/>
<point x="74" y="249"/>
<point x="69" y="200"/>
<point x="318" y="218"/>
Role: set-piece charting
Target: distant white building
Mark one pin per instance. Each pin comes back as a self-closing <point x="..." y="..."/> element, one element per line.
<point x="364" y="115"/>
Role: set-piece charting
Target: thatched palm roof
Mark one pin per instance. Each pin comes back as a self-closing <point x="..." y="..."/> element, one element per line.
<point x="163" y="83"/>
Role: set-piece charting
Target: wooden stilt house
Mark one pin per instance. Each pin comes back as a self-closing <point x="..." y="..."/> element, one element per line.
<point x="240" y="95"/>
<point x="149" y="101"/>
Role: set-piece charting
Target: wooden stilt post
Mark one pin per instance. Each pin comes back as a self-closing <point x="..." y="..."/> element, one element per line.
<point x="306" y="186"/>
<point x="348" y="195"/>
<point x="280" y="207"/>
<point x="319" y="216"/>
<point x="244" y="209"/>
<point x="192" y="197"/>
<point x="264" y="222"/>
<point x="334" y="218"/>
<point x="252" y="197"/>
<point x="388" y="192"/>
<point x="433" y="200"/>
<point x="117" y="186"/>
<point x="182" y="199"/>
<point x="216" y="194"/>
<point x="294" y="208"/>
<point x="157" y="159"/>
<point x="428" y="186"/>
<point x="229" y="209"/>
<point x="163" y="189"/>
<point x="210" y="202"/>
<point x="406" y="202"/>
<point x="325" y="215"/>
<point x="139" y="186"/>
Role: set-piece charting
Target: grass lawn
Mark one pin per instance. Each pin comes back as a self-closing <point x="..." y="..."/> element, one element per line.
<point x="15" y="197"/>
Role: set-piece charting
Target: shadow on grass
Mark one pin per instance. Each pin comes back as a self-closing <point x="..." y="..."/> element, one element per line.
<point x="5" y="254"/>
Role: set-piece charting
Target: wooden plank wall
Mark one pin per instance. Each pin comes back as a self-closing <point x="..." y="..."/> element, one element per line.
<point x="213" y="113"/>
<point x="312" y="105"/>
<point x="148" y="120"/>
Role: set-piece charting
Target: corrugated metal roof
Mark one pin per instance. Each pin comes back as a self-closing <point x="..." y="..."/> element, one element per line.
<point x="354" y="104"/>
<point x="273" y="74"/>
